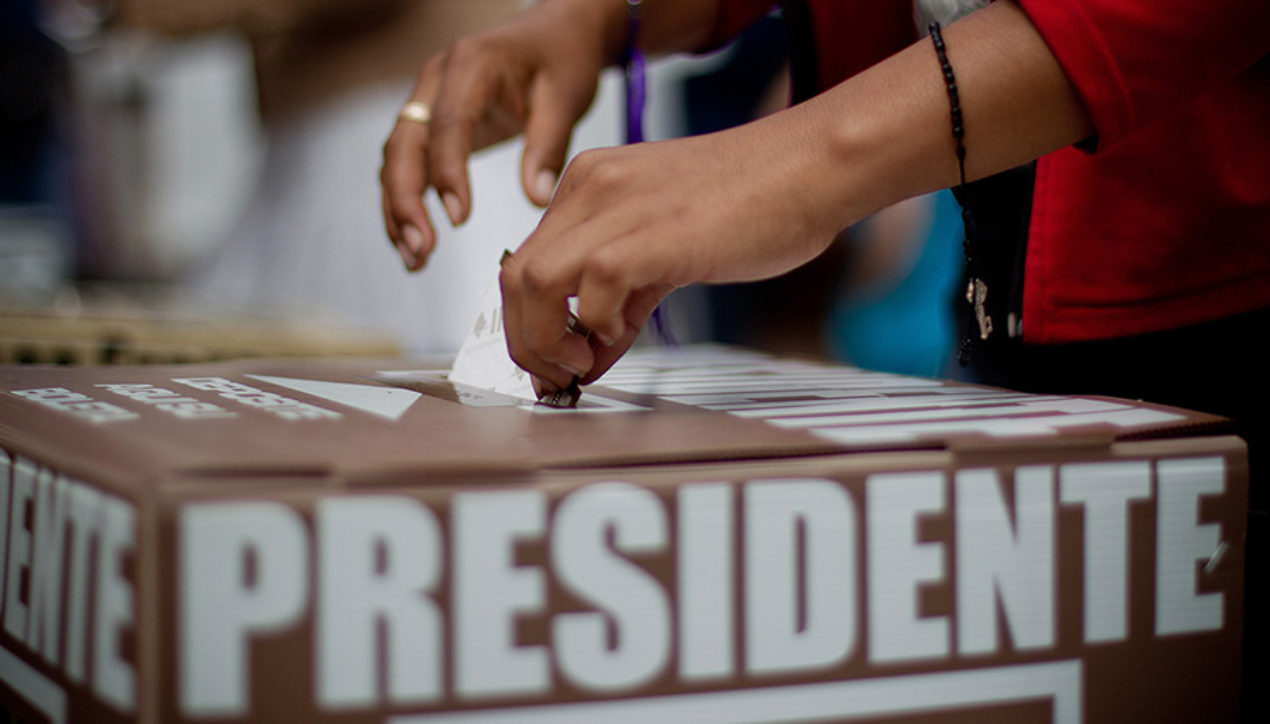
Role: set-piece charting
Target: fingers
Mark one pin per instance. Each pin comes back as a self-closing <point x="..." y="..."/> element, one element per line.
<point x="617" y="290"/>
<point x="408" y="257"/>
<point x="536" y="323"/>
<point x="547" y="132"/>
<point x="616" y="279"/>
<point x="609" y="275"/>
<point x="481" y="91"/>
<point x="403" y="180"/>
<point x="466" y="94"/>
<point x="639" y="307"/>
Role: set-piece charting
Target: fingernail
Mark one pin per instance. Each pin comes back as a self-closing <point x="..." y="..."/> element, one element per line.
<point x="605" y="339"/>
<point x="407" y="257"/>
<point x="413" y="237"/>
<point x="545" y="185"/>
<point x="452" y="207"/>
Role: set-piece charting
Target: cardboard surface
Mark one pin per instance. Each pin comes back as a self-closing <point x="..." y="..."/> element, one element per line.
<point x="716" y="535"/>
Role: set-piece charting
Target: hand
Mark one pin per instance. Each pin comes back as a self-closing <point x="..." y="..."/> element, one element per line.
<point x="628" y="225"/>
<point x="537" y="74"/>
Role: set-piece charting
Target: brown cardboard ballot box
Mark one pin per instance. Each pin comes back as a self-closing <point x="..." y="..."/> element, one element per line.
<point x="715" y="535"/>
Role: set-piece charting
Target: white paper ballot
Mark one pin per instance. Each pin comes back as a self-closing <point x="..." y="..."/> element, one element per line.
<point x="483" y="360"/>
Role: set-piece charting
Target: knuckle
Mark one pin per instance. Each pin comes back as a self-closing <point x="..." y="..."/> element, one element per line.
<point x="447" y="119"/>
<point x="446" y="172"/>
<point x="465" y="50"/>
<point x="537" y="278"/>
<point x="585" y="160"/>
<point x="606" y="172"/>
<point x="603" y="171"/>
<point x="517" y="351"/>
<point x="579" y="171"/>
<point x="427" y="73"/>
<point x="522" y="357"/>
<point x="392" y="147"/>
<point x="401" y="204"/>
<point x="387" y="170"/>
<point x="605" y="267"/>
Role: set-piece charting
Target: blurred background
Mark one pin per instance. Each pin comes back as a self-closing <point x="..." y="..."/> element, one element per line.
<point x="183" y="181"/>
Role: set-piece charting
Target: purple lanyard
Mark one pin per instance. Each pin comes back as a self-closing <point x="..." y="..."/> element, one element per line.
<point x="636" y="95"/>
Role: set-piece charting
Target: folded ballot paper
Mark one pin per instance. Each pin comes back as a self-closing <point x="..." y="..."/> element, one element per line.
<point x="483" y="362"/>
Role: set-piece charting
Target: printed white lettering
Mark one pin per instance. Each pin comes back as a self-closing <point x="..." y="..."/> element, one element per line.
<point x="275" y="404"/>
<point x="777" y="514"/>
<point x="6" y="483"/>
<point x="706" y="581"/>
<point x="1105" y="490"/>
<point x="357" y="594"/>
<point x="170" y="402"/>
<point x="1181" y="541"/>
<point x="224" y="599"/>
<point x="378" y="628"/>
<point x="995" y="558"/>
<point x="85" y="518"/>
<point x="77" y="404"/>
<point x="38" y="509"/>
<point x="490" y="590"/>
<point x="898" y="564"/>
<point x="112" y="675"/>
<point x="45" y="607"/>
<point x="24" y="475"/>
<point x="631" y="600"/>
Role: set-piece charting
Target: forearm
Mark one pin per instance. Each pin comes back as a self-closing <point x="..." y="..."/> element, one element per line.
<point x="890" y="130"/>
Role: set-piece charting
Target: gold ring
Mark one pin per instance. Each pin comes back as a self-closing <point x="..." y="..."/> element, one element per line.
<point x="416" y="111"/>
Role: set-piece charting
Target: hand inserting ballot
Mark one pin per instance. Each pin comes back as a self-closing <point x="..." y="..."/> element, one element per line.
<point x="627" y="225"/>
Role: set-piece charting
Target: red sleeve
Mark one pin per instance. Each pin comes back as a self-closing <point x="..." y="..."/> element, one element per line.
<point x="1132" y="60"/>
<point x="852" y="36"/>
<point x="735" y="16"/>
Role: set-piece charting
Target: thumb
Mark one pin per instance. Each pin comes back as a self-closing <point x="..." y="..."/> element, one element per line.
<point x="552" y="116"/>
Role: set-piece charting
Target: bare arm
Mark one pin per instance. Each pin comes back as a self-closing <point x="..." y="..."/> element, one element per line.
<point x="629" y="224"/>
<point x="890" y="125"/>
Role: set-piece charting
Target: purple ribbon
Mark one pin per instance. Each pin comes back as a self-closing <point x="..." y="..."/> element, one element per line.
<point x="636" y="95"/>
<point x="636" y="91"/>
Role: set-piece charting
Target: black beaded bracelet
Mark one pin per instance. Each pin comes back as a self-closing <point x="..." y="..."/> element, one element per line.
<point x="976" y="289"/>
<point x="954" y="102"/>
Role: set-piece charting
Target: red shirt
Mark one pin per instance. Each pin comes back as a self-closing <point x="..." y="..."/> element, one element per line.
<point x="1167" y="223"/>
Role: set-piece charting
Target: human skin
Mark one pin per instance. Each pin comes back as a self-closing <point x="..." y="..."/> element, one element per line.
<point x="627" y="225"/>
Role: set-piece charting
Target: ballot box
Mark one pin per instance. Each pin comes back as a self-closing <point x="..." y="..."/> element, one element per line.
<point x="712" y="535"/>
